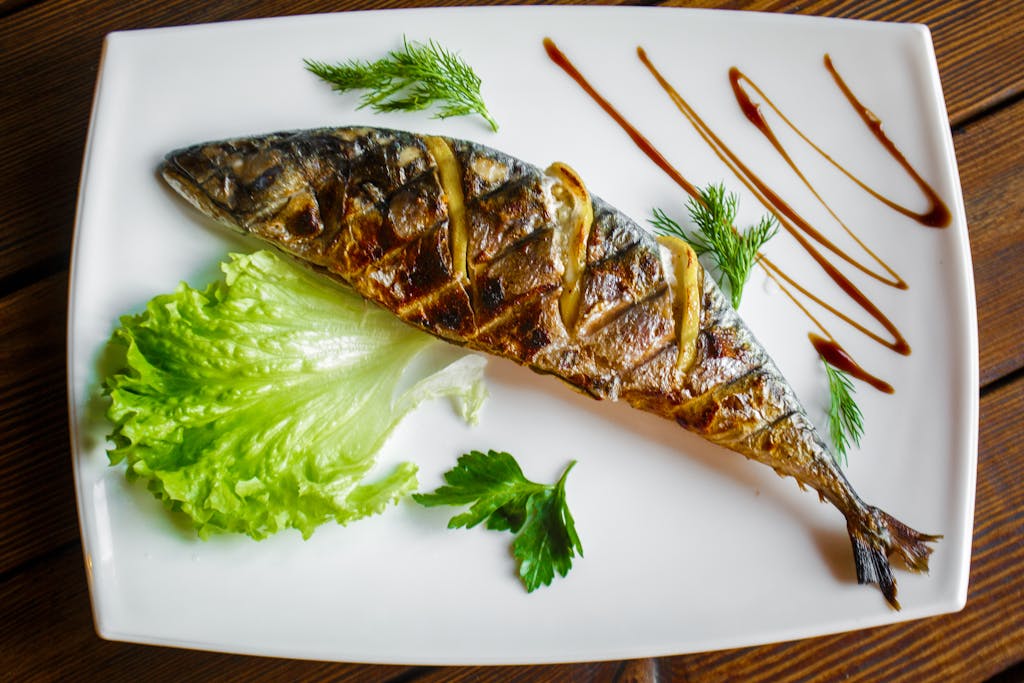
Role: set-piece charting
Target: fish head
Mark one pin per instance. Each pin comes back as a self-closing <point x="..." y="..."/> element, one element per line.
<point x="253" y="186"/>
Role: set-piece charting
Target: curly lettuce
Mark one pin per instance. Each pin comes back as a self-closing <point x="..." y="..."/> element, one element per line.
<point x="260" y="403"/>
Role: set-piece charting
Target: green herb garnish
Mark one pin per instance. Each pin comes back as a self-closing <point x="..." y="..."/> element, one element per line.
<point x="734" y="253"/>
<point x="845" y="421"/>
<point x="498" y="493"/>
<point x="410" y="79"/>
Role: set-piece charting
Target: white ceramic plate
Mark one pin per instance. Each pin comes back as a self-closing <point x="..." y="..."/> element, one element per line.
<point x="688" y="547"/>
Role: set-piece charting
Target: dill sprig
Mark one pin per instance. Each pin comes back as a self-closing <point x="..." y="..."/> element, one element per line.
<point x="734" y="253"/>
<point x="845" y="421"/>
<point x="410" y="79"/>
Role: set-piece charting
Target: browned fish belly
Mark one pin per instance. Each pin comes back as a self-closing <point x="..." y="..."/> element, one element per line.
<point x="486" y="251"/>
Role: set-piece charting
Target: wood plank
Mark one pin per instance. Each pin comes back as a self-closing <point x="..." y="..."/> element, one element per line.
<point x="48" y="604"/>
<point x="627" y="671"/>
<point x="38" y="502"/>
<point x="991" y="157"/>
<point x="12" y="6"/>
<point x="46" y="94"/>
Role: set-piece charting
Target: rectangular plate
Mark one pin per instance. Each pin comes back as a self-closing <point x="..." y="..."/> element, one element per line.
<point x="688" y="547"/>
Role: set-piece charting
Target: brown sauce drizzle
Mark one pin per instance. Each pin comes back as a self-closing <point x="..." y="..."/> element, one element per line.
<point x="836" y="356"/>
<point x="753" y="113"/>
<point x="937" y="216"/>
<point x="642" y="142"/>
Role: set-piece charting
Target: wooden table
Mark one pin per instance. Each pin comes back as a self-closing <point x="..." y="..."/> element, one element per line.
<point x="49" y="51"/>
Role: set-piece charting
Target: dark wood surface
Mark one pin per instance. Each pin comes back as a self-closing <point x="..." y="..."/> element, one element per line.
<point x="49" y="53"/>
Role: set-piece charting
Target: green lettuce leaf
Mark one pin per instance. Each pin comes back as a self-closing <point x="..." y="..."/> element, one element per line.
<point x="260" y="403"/>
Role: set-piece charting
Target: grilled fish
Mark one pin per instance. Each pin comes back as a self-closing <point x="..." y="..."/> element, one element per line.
<point x="489" y="252"/>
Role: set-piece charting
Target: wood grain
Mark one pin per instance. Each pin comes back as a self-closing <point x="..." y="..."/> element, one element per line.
<point x="629" y="671"/>
<point x="38" y="502"/>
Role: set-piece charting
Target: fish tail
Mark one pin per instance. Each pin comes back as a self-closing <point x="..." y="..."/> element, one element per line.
<point x="876" y="536"/>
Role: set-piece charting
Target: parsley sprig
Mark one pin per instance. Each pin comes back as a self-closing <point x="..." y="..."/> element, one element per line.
<point x="501" y="497"/>
<point x="845" y="421"/>
<point x="734" y="253"/>
<point x="410" y="79"/>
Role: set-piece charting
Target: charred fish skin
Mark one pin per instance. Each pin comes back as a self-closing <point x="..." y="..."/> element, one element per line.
<point x="487" y="251"/>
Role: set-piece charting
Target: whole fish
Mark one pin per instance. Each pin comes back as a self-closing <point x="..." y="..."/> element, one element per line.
<point x="486" y="251"/>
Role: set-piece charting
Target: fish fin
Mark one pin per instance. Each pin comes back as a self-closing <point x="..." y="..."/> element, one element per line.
<point x="875" y="537"/>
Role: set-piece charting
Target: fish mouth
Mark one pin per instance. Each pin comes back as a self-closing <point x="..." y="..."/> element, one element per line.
<point x="186" y="185"/>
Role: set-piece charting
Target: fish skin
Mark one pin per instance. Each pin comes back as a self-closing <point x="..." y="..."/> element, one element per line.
<point x="366" y="206"/>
